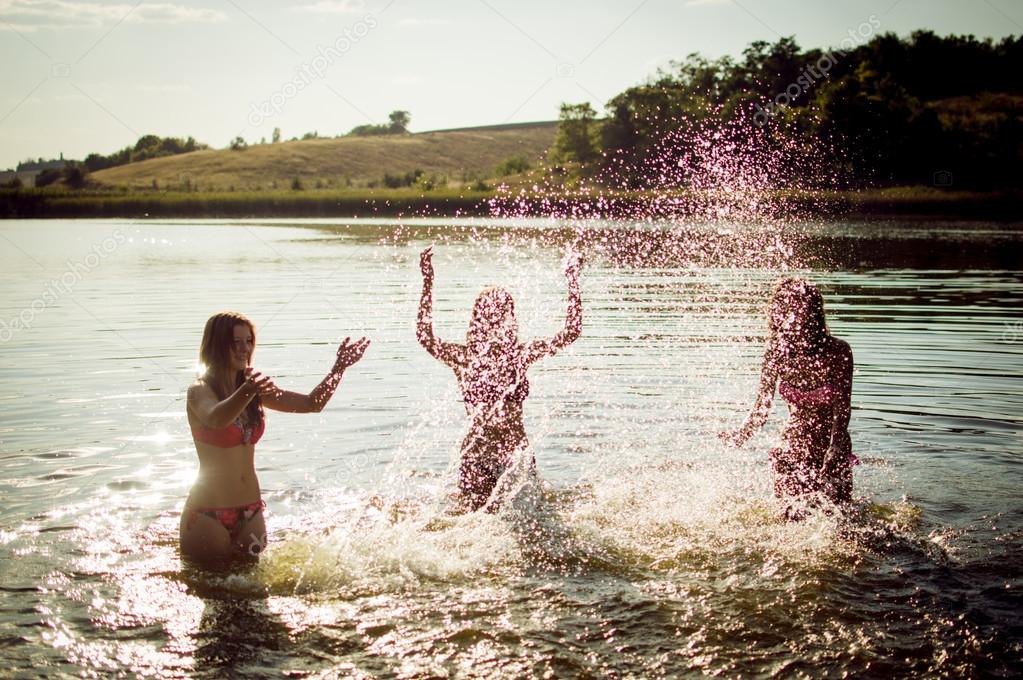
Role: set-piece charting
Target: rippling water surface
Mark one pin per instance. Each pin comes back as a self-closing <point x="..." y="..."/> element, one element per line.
<point x="650" y="549"/>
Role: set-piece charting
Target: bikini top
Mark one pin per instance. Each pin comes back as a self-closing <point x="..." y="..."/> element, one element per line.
<point x="822" y="396"/>
<point x="480" y="392"/>
<point x="232" y="435"/>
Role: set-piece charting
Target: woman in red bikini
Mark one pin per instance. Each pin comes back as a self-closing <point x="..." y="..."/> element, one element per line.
<point x="812" y="370"/>
<point x="491" y="372"/>
<point x="223" y="516"/>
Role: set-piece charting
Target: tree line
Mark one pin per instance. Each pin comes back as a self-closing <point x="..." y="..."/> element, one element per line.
<point x="148" y="146"/>
<point x="923" y="109"/>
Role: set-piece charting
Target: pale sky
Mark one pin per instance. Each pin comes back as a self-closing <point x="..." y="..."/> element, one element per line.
<point x="94" y="76"/>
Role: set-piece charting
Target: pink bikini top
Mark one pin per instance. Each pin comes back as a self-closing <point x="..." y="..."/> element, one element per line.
<point x="482" y="392"/>
<point x="822" y="396"/>
<point x="232" y="435"/>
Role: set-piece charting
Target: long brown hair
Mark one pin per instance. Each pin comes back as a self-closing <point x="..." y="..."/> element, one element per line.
<point x="215" y="357"/>
<point x="789" y="292"/>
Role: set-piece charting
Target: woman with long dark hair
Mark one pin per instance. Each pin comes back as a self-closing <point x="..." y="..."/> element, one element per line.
<point x="491" y="372"/>
<point x="812" y="371"/>
<point x="223" y="515"/>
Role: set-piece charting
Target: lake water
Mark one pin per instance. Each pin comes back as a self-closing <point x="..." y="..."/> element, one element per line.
<point x="655" y="551"/>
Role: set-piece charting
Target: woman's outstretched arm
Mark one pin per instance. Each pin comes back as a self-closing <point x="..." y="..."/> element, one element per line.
<point x="761" y="407"/>
<point x="217" y="413"/>
<point x="448" y="352"/>
<point x="296" y="402"/>
<point x="544" y="347"/>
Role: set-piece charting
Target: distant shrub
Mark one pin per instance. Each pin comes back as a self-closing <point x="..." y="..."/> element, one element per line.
<point x="398" y="124"/>
<point x="74" y="176"/>
<point x="296" y="184"/>
<point x="48" y="177"/>
<point x="397" y="181"/>
<point x="512" y="166"/>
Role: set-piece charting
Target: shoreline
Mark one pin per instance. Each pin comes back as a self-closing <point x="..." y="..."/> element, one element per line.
<point x="905" y="202"/>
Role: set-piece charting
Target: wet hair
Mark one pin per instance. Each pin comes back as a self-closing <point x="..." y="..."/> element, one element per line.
<point x="495" y="356"/>
<point x="492" y="313"/>
<point x="215" y="357"/>
<point x="814" y="331"/>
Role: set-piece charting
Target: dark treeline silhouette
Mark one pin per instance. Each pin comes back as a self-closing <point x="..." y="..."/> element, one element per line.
<point x="921" y="110"/>
<point x="397" y="125"/>
<point x="148" y="146"/>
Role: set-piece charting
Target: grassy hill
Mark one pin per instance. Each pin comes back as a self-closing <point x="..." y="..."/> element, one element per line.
<point x="453" y="157"/>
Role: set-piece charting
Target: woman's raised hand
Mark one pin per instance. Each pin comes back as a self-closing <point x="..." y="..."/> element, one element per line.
<point x="572" y="262"/>
<point x="426" y="263"/>
<point x="350" y="352"/>
<point x="257" y="383"/>
<point x="734" y="438"/>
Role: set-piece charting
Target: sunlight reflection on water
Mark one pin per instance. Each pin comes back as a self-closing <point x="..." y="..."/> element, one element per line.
<point x="649" y="549"/>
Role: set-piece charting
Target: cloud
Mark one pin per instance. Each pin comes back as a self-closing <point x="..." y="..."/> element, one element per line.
<point x="32" y="15"/>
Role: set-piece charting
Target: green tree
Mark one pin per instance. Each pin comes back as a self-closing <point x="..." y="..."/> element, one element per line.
<point x="147" y="142"/>
<point x="512" y="166"/>
<point x="368" y="130"/>
<point x="74" y="176"/>
<point x="276" y="136"/>
<point x="399" y="121"/>
<point x="578" y="135"/>
<point x="238" y="144"/>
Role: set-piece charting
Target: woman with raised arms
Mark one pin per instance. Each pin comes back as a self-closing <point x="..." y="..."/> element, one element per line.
<point x="491" y="372"/>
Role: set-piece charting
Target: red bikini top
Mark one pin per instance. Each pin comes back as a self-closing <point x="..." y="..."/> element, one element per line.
<point x="232" y="435"/>
<point x="822" y="396"/>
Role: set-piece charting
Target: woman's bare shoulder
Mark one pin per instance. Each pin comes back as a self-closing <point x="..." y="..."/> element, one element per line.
<point x="841" y="350"/>
<point x="199" y="389"/>
<point x="840" y="346"/>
